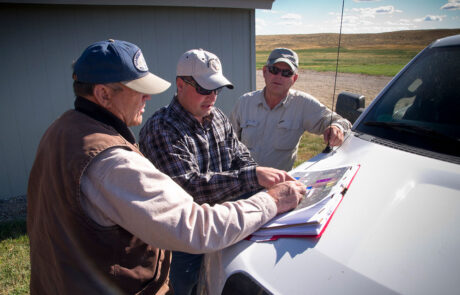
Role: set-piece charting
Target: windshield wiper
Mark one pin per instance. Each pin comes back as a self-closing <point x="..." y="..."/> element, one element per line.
<point x="414" y="129"/>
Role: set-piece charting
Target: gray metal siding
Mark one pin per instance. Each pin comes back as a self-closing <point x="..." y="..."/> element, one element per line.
<point x="39" y="43"/>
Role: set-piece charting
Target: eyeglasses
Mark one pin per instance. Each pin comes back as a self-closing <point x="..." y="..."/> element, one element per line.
<point x="285" y="73"/>
<point x="199" y="89"/>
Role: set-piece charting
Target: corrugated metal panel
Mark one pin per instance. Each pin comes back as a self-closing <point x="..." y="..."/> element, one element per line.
<point x="39" y="44"/>
<point x="264" y="4"/>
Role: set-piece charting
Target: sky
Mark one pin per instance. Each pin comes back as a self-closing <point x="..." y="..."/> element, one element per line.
<point x="360" y="16"/>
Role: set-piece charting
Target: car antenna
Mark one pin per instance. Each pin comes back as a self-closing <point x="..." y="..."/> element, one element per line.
<point x="328" y="148"/>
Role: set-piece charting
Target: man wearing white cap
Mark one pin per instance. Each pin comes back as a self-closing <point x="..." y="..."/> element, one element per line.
<point x="271" y="121"/>
<point x="99" y="213"/>
<point x="194" y="143"/>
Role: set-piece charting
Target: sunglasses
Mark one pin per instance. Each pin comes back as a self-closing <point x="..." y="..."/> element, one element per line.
<point x="285" y="73"/>
<point x="199" y="89"/>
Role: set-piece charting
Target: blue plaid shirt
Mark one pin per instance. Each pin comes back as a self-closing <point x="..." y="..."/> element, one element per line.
<point x="206" y="159"/>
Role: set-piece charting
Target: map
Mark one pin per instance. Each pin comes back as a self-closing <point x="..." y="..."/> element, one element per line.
<point x="319" y="184"/>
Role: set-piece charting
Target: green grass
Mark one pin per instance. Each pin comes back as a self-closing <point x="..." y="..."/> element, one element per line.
<point x="309" y="146"/>
<point x="14" y="258"/>
<point x="14" y="243"/>
<point x="386" y="62"/>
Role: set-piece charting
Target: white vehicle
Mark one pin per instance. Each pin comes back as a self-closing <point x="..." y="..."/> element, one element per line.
<point x="397" y="230"/>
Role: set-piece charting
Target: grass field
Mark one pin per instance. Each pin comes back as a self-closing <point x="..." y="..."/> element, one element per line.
<point x="386" y="62"/>
<point x="370" y="54"/>
<point x="14" y="258"/>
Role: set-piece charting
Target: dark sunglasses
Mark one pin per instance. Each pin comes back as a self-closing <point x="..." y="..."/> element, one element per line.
<point x="199" y="89"/>
<point x="285" y="73"/>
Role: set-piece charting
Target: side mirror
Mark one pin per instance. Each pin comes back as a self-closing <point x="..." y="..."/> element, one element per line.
<point x="350" y="105"/>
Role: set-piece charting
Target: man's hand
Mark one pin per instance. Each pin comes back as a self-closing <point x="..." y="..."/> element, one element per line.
<point x="268" y="177"/>
<point x="333" y="135"/>
<point x="287" y="195"/>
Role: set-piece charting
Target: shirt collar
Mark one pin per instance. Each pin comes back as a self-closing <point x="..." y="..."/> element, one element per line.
<point x="187" y="117"/>
<point x="102" y="115"/>
<point x="283" y="103"/>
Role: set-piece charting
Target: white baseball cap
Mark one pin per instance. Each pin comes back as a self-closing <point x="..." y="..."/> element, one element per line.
<point x="204" y="67"/>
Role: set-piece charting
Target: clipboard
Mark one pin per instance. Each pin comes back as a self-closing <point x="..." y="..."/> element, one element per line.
<point x="311" y="217"/>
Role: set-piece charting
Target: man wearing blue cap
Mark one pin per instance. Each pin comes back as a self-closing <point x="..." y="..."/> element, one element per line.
<point x="99" y="213"/>
<point x="193" y="142"/>
<point x="271" y="121"/>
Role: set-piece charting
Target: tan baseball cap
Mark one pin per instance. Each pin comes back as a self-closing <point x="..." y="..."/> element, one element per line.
<point x="204" y="67"/>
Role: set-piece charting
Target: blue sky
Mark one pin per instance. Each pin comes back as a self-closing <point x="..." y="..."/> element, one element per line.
<point x="360" y="16"/>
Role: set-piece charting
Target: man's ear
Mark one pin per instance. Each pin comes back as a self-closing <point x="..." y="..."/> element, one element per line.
<point x="295" y="78"/>
<point x="102" y="95"/>
<point x="180" y="85"/>
<point x="265" y="71"/>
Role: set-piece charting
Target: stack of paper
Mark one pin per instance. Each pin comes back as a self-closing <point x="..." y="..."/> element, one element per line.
<point x="325" y="190"/>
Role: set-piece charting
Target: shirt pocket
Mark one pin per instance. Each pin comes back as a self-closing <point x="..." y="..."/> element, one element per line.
<point x="249" y="133"/>
<point x="287" y="134"/>
<point x="226" y="156"/>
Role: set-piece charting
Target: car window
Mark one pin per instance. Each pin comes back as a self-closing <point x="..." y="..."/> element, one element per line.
<point x="421" y="108"/>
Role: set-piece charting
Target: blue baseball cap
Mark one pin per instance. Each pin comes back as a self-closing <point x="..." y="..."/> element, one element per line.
<point x="114" y="61"/>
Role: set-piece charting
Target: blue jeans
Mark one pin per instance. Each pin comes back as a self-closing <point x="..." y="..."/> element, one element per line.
<point x="184" y="272"/>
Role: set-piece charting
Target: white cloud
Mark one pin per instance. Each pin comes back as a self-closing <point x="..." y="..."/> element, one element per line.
<point x="404" y="20"/>
<point x="398" y="25"/>
<point x="291" y="16"/>
<point x="431" y="18"/>
<point x="351" y="19"/>
<point x="371" y="12"/>
<point x="268" y="11"/>
<point x="290" y="20"/>
<point x="386" y="10"/>
<point x="366" y="0"/>
<point x="451" y="5"/>
<point x="290" y="23"/>
<point x="261" y="22"/>
<point x="261" y="26"/>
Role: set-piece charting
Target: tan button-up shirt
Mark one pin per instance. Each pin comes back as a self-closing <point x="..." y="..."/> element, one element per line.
<point x="272" y="135"/>
<point x="122" y="187"/>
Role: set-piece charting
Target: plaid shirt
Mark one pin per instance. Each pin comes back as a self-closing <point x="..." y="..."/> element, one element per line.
<point x="207" y="159"/>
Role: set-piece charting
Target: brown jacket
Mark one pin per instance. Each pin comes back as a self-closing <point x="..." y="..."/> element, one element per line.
<point x="69" y="252"/>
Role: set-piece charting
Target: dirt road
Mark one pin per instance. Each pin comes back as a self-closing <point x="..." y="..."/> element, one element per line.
<point x="321" y="84"/>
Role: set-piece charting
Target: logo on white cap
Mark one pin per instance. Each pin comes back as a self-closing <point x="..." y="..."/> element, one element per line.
<point x="139" y="62"/>
<point x="214" y="64"/>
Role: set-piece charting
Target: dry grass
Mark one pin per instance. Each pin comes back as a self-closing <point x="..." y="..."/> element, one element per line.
<point x="402" y="40"/>
<point x="383" y="54"/>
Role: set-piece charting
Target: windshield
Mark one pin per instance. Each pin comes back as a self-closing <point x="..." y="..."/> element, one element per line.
<point x="422" y="108"/>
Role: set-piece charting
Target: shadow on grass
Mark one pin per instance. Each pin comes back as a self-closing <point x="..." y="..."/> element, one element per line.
<point x="12" y="229"/>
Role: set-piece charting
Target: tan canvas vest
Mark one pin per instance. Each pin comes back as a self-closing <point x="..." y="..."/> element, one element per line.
<point x="70" y="253"/>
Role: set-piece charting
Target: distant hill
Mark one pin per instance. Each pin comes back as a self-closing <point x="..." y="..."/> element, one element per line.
<point x="416" y="39"/>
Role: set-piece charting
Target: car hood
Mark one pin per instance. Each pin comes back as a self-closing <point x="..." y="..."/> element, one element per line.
<point x="397" y="230"/>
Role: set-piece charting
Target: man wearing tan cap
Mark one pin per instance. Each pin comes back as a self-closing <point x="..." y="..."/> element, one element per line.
<point x="99" y="214"/>
<point x="271" y="121"/>
<point x="193" y="142"/>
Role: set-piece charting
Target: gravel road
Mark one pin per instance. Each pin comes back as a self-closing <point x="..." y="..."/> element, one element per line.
<point x="321" y="84"/>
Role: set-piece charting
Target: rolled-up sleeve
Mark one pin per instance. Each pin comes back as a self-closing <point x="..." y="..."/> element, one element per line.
<point x="121" y="187"/>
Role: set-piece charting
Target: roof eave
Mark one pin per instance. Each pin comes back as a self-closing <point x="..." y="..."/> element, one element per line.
<point x="248" y="4"/>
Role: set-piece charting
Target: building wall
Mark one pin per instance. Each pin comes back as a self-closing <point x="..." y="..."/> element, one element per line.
<point x="39" y="43"/>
